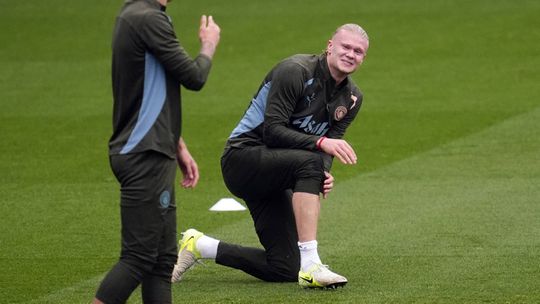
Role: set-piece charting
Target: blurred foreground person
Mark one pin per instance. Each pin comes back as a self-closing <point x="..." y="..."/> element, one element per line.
<point x="148" y="68"/>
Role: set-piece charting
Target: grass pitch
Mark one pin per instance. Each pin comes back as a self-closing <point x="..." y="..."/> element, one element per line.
<point x="443" y="207"/>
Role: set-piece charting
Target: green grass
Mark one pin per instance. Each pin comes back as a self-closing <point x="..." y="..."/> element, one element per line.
<point x="443" y="207"/>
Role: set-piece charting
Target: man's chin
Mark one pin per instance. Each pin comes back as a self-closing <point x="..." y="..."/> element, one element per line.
<point x="348" y="69"/>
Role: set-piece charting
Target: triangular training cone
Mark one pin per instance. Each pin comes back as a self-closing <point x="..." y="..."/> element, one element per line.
<point x="227" y="204"/>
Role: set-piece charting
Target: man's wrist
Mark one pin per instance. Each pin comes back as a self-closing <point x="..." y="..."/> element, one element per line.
<point x="319" y="142"/>
<point x="208" y="48"/>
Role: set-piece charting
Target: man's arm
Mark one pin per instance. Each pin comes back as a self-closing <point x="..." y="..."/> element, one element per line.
<point x="161" y="40"/>
<point x="333" y="144"/>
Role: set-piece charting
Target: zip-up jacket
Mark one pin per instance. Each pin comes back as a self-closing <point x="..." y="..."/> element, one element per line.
<point x="148" y="67"/>
<point x="297" y="103"/>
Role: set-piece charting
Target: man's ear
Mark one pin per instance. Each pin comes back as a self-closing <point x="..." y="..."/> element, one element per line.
<point x="329" y="46"/>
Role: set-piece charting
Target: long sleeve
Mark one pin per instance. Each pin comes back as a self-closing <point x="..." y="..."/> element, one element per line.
<point x="161" y="40"/>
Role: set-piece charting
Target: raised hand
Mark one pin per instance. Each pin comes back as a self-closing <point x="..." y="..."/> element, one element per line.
<point x="209" y="35"/>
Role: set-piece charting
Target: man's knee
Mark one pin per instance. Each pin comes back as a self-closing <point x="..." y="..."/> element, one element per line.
<point x="284" y="272"/>
<point x="139" y="266"/>
<point x="311" y="164"/>
<point x="310" y="174"/>
<point x="147" y="263"/>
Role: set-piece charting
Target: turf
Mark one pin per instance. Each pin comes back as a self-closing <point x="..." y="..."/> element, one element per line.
<point x="443" y="207"/>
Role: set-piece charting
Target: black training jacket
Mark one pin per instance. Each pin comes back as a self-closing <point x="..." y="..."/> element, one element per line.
<point x="297" y="103"/>
<point x="148" y="67"/>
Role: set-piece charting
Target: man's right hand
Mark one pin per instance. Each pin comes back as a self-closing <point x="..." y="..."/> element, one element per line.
<point x="209" y="35"/>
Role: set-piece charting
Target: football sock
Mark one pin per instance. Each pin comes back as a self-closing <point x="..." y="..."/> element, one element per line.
<point x="207" y="246"/>
<point x="308" y="254"/>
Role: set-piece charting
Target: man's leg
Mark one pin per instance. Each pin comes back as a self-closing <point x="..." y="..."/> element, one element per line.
<point x="278" y="262"/>
<point x="156" y="286"/>
<point x="306" y="208"/>
<point x="146" y="183"/>
<point x="275" y="226"/>
<point x="313" y="274"/>
<point x="262" y="177"/>
<point x="306" y="170"/>
<point x="117" y="285"/>
<point x="256" y="172"/>
<point x="135" y="262"/>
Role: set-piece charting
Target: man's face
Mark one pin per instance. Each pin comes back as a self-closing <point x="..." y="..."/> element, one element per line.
<point x="345" y="52"/>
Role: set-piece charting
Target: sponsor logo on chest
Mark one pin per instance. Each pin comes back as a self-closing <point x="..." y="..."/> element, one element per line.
<point x="311" y="126"/>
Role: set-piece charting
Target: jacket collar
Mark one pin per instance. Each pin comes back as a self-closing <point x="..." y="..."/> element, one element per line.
<point x="324" y="73"/>
<point x="154" y="4"/>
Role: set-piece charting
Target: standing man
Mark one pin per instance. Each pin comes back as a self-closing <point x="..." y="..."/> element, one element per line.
<point x="148" y="68"/>
<point x="278" y="161"/>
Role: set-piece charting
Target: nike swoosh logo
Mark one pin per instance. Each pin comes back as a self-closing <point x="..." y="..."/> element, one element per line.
<point x="309" y="280"/>
<point x="185" y="244"/>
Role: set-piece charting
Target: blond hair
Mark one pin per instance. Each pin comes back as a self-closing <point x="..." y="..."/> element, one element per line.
<point x="352" y="27"/>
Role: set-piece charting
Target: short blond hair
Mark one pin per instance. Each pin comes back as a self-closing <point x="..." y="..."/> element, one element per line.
<point x="352" y="27"/>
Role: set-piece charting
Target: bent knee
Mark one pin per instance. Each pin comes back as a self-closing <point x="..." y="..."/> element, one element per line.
<point x="284" y="271"/>
<point x="282" y="275"/>
<point x="311" y="163"/>
<point x="310" y="174"/>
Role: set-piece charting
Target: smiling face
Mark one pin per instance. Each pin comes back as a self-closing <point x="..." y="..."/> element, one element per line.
<point x="346" y="51"/>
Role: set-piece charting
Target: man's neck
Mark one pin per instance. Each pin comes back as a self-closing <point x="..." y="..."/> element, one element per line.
<point x="337" y="76"/>
<point x="162" y="2"/>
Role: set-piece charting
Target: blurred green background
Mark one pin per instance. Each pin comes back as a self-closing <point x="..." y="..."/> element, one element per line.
<point x="442" y="207"/>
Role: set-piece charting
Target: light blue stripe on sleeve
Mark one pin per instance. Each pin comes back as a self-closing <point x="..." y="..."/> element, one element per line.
<point x="153" y="100"/>
<point x="255" y="113"/>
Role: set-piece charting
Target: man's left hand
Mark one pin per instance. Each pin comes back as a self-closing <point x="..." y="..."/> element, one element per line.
<point x="328" y="184"/>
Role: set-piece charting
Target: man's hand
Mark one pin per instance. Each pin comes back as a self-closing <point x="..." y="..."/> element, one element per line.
<point x="328" y="184"/>
<point x="338" y="148"/>
<point x="209" y="35"/>
<point x="187" y="165"/>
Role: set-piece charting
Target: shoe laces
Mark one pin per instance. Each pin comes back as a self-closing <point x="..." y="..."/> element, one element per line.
<point x="319" y="266"/>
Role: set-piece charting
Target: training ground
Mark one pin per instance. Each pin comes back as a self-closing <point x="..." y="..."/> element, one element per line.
<point x="443" y="206"/>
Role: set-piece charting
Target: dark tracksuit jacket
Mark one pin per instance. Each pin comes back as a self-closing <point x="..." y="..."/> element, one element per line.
<point x="296" y="104"/>
<point x="148" y="67"/>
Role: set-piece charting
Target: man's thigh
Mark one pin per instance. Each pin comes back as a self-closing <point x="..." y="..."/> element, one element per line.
<point x="148" y="209"/>
<point x="256" y="172"/>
